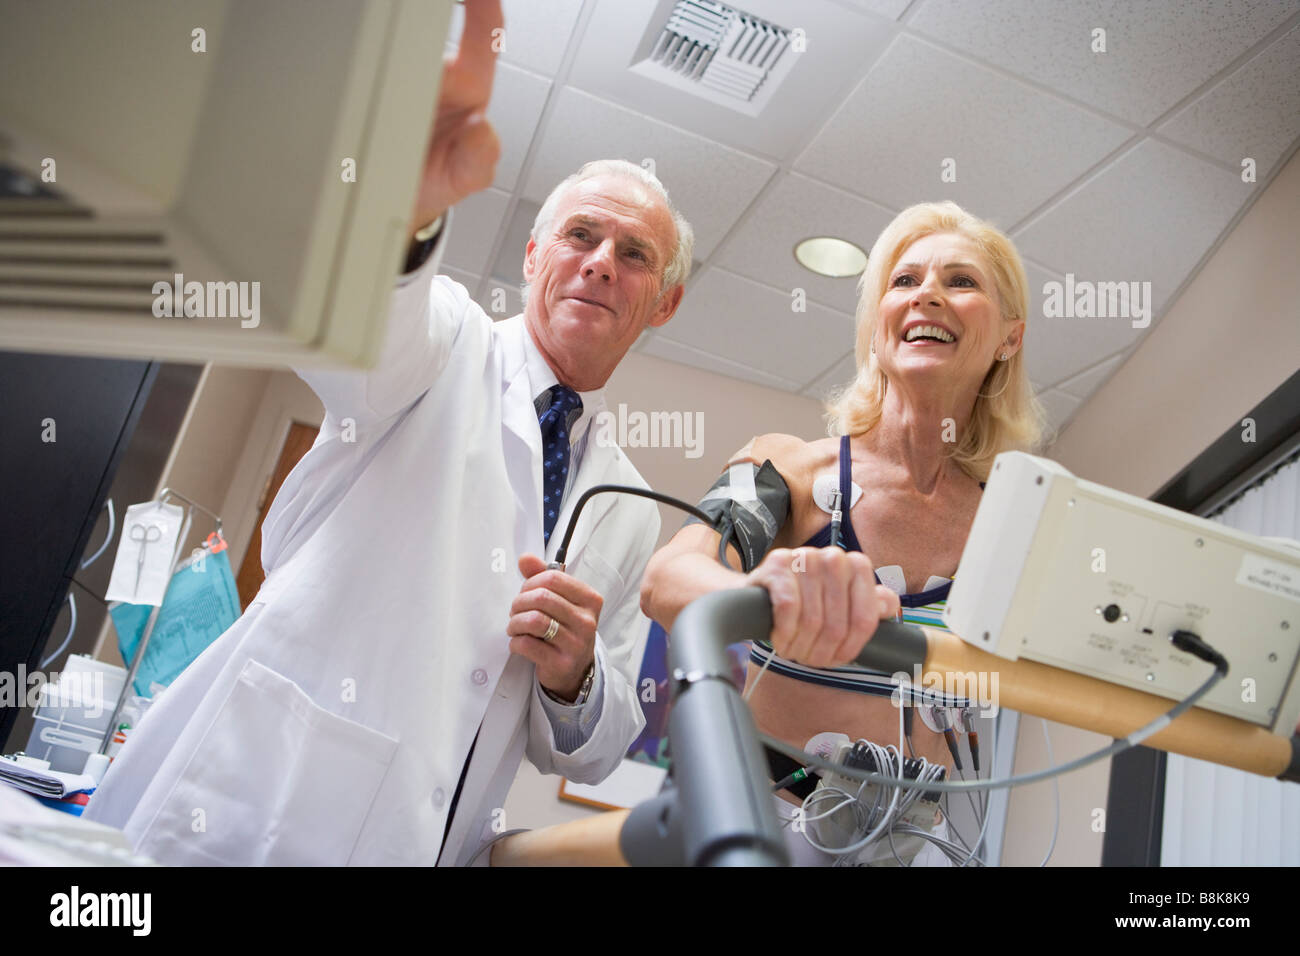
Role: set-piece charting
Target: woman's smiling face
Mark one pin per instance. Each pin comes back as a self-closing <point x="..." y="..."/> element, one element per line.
<point x="941" y="313"/>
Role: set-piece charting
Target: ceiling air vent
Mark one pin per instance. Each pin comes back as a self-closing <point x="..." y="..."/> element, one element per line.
<point x="721" y="54"/>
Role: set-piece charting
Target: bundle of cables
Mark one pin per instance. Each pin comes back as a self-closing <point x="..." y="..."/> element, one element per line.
<point x="844" y="820"/>
<point x="863" y="823"/>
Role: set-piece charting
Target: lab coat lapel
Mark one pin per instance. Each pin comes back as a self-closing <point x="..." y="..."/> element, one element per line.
<point x="521" y="438"/>
<point x="497" y="753"/>
<point x="597" y="467"/>
<point x="521" y="441"/>
<point x="503" y="724"/>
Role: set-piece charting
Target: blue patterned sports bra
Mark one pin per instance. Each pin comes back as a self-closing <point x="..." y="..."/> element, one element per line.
<point x="922" y="608"/>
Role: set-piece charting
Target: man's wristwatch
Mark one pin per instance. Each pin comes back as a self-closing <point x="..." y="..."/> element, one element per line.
<point x="421" y="247"/>
<point x="583" y="693"/>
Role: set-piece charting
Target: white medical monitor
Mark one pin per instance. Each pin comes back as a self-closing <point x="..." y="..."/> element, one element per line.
<point x="213" y="180"/>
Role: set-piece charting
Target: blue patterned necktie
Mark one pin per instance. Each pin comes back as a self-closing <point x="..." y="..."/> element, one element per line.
<point x="556" y="412"/>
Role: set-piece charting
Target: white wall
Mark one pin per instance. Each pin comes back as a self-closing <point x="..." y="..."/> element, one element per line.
<point x="1231" y="338"/>
<point x="731" y="412"/>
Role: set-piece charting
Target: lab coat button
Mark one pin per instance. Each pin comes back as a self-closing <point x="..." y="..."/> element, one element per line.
<point x="439" y="798"/>
<point x="479" y="676"/>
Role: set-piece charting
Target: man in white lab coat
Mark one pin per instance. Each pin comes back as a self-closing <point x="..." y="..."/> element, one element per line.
<point x="409" y="644"/>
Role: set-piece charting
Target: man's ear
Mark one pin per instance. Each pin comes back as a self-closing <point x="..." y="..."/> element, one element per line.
<point x="667" y="306"/>
<point x="530" y="259"/>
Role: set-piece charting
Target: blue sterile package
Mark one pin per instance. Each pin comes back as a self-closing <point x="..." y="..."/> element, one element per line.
<point x="201" y="602"/>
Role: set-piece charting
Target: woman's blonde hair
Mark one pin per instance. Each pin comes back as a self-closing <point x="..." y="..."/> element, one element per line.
<point x="1006" y="415"/>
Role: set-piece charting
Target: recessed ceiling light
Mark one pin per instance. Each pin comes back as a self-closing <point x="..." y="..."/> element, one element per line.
<point x="828" y="256"/>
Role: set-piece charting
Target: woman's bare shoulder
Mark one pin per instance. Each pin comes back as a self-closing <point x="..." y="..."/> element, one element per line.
<point x="797" y="460"/>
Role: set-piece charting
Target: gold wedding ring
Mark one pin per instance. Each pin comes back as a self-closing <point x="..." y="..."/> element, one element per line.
<point x="551" y="631"/>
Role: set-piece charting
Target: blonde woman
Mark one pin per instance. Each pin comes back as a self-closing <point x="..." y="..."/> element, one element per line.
<point x="940" y="390"/>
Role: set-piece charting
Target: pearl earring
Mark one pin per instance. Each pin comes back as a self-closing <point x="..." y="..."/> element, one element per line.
<point x="1002" y="357"/>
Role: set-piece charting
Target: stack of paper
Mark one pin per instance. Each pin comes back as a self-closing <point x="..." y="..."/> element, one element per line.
<point x="43" y="783"/>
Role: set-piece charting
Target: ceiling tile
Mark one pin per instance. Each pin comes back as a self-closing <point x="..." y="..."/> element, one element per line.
<point x="1057" y="348"/>
<point x="501" y="300"/>
<point x="793" y="209"/>
<point x="1254" y="112"/>
<point x="1013" y="147"/>
<point x="742" y="321"/>
<point x="1084" y="384"/>
<point x="840" y="46"/>
<point x="515" y="110"/>
<point x="1157" y="53"/>
<point x="710" y="183"/>
<point x="841" y="373"/>
<point x="474" y="230"/>
<point x="892" y="9"/>
<point x="536" y="34"/>
<point x="1149" y="216"/>
<point x="663" y="348"/>
<point x="509" y="266"/>
<point x="467" y="279"/>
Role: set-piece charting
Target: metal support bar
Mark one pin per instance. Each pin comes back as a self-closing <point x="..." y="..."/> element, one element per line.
<point x="138" y="656"/>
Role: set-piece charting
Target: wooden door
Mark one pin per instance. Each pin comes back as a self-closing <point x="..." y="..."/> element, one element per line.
<point x="250" y="577"/>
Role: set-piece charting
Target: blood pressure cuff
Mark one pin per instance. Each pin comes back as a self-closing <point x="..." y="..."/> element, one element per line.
<point x="748" y="506"/>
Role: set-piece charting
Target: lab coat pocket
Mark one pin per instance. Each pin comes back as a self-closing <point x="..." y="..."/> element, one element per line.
<point x="276" y="780"/>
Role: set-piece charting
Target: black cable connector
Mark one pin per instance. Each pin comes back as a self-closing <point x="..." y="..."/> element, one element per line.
<point x="837" y="517"/>
<point x="1192" y="644"/>
<point x="972" y="738"/>
<point x="950" y="736"/>
<point x="800" y="774"/>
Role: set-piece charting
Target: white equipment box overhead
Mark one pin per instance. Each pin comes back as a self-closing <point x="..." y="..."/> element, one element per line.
<point x="1079" y="576"/>
<point x="227" y="142"/>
